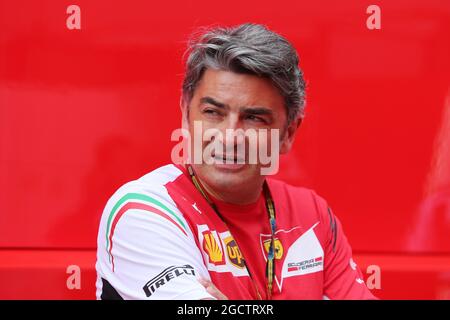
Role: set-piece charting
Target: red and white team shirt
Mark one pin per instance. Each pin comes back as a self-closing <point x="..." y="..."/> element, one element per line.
<point x="158" y="235"/>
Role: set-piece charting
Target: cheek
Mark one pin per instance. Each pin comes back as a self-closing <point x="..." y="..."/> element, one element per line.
<point x="271" y="141"/>
<point x="194" y="115"/>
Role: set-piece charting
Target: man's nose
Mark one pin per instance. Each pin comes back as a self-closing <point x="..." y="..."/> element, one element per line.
<point x="232" y="121"/>
<point x="232" y="131"/>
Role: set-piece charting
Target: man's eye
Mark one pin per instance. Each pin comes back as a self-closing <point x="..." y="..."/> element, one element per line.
<point x="255" y="118"/>
<point x="211" y="112"/>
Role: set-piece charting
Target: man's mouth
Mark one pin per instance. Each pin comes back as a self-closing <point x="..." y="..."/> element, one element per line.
<point x="228" y="159"/>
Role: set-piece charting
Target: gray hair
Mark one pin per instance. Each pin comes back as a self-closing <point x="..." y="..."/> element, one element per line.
<point x="252" y="49"/>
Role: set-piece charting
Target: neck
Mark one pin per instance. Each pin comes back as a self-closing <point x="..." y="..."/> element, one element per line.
<point x="239" y="196"/>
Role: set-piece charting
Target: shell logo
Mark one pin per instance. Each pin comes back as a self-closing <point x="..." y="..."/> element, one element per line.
<point x="212" y="248"/>
<point x="278" y="248"/>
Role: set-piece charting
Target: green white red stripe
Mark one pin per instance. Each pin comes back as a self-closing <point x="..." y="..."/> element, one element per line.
<point x="141" y="202"/>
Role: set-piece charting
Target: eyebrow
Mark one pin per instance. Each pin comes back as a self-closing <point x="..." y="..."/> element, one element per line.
<point x="257" y="111"/>
<point x="214" y="102"/>
<point x="248" y="110"/>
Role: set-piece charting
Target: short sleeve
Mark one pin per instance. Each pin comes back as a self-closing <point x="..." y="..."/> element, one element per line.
<point x="147" y="251"/>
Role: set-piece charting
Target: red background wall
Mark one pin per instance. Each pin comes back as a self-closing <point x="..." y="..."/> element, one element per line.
<point x="83" y="111"/>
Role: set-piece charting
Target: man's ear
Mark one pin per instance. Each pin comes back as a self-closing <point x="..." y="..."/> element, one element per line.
<point x="184" y="114"/>
<point x="289" y="136"/>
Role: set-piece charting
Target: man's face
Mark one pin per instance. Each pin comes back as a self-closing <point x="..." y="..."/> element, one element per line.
<point x="226" y="100"/>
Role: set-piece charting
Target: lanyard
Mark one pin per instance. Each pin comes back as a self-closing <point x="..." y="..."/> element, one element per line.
<point x="270" y="207"/>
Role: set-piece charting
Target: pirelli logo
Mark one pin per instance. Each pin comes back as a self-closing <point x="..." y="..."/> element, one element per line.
<point x="165" y="276"/>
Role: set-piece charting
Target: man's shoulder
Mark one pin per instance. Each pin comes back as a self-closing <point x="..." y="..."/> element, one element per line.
<point x="300" y="193"/>
<point x="297" y="199"/>
<point x="159" y="177"/>
<point x="152" y="183"/>
<point x="146" y="193"/>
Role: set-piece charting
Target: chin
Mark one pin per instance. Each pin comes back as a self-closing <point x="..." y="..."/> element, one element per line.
<point x="224" y="178"/>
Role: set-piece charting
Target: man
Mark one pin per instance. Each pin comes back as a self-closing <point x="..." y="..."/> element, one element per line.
<point x="222" y="229"/>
